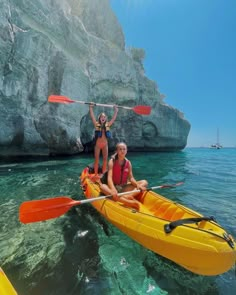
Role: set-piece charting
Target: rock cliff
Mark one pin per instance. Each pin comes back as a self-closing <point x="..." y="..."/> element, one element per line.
<point x="75" y="48"/>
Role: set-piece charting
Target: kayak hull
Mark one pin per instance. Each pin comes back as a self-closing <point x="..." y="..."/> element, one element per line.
<point x="201" y="247"/>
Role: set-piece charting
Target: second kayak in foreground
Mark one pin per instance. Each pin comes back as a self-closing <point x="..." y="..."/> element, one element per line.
<point x="6" y="287"/>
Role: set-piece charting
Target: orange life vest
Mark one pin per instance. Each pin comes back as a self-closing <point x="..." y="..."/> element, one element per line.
<point x="98" y="130"/>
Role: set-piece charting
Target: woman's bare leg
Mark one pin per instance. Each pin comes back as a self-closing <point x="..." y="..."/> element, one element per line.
<point x="130" y="187"/>
<point x="105" y="189"/>
<point x="129" y="201"/>
<point x="105" y="156"/>
<point x="96" y="159"/>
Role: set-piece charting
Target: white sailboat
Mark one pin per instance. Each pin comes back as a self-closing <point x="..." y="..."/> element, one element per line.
<point x="217" y="145"/>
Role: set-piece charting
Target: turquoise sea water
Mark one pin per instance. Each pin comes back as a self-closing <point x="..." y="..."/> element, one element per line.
<point x="80" y="253"/>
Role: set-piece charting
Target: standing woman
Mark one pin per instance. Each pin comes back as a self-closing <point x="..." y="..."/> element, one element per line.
<point x="102" y="133"/>
<point x="120" y="178"/>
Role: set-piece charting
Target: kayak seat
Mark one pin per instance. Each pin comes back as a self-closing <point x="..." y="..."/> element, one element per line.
<point x="178" y="214"/>
<point x="153" y="207"/>
<point x="144" y="209"/>
<point x="168" y="214"/>
<point x="173" y="213"/>
<point x="162" y="209"/>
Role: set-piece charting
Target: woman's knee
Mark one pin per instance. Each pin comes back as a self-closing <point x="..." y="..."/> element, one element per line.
<point x="143" y="182"/>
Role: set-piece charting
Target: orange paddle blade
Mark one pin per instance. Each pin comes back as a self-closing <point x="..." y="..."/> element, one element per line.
<point x="142" y="110"/>
<point x="60" y="99"/>
<point x="39" y="210"/>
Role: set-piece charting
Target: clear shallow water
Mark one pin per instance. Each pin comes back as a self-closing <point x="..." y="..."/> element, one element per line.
<point x="80" y="253"/>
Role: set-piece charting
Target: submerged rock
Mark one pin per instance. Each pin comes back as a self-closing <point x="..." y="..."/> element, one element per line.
<point x="77" y="49"/>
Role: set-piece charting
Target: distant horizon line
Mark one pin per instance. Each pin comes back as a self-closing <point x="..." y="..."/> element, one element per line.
<point x="209" y="147"/>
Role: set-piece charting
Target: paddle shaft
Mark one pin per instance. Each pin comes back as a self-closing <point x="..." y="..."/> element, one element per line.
<point x="103" y="105"/>
<point x="90" y="200"/>
<point x="165" y="186"/>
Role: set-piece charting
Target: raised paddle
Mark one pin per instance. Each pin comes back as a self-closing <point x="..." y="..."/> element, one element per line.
<point x="40" y="210"/>
<point x="141" y="110"/>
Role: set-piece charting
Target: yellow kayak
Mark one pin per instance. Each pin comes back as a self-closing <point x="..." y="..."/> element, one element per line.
<point x="197" y="243"/>
<point x="6" y="287"/>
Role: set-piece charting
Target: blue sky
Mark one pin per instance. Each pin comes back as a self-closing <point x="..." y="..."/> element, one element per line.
<point x="190" y="50"/>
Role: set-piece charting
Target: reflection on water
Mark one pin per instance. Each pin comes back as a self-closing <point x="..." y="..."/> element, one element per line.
<point x="80" y="253"/>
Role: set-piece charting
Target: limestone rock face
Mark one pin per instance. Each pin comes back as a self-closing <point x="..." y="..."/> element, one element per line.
<point x="74" y="48"/>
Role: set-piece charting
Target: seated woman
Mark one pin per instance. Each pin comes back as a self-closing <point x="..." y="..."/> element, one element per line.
<point x="120" y="178"/>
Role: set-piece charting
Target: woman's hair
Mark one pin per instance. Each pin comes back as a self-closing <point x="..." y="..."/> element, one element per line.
<point x="114" y="156"/>
<point x="120" y="143"/>
<point x="99" y="116"/>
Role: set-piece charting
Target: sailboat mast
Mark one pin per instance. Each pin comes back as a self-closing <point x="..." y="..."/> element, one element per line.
<point x="217" y="144"/>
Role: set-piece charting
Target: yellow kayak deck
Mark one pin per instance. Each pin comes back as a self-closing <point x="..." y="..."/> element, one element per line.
<point x="169" y="229"/>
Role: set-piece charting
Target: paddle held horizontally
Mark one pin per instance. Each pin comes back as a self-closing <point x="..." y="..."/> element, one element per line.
<point x="40" y="210"/>
<point x="140" y="109"/>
